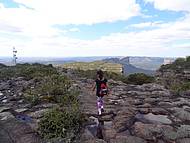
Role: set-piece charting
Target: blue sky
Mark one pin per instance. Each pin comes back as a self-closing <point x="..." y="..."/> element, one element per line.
<point x="95" y="31"/>
<point x="62" y="28"/>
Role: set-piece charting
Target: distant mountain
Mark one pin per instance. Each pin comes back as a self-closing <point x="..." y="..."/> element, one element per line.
<point x="130" y="69"/>
<point x="144" y="63"/>
<point x="150" y="63"/>
<point x="127" y="67"/>
<point x="51" y="60"/>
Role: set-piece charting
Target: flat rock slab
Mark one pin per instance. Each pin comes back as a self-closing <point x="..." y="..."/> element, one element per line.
<point x="4" y="108"/>
<point x="128" y="139"/>
<point x="6" y="116"/>
<point x="14" y="131"/>
<point x="185" y="140"/>
<point x="181" y="114"/>
<point x="162" y="119"/>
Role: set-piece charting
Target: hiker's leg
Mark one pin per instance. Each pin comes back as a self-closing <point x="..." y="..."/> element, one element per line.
<point x="102" y="103"/>
<point x="98" y="102"/>
<point x="99" y="105"/>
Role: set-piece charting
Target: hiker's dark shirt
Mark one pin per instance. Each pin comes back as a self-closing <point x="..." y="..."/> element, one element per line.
<point x="98" y="85"/>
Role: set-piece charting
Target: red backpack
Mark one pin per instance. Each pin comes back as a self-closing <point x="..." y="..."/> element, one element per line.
<point x="103" y="89"/>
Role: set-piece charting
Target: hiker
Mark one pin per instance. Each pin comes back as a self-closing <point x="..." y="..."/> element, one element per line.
<point x="101" y="87"/>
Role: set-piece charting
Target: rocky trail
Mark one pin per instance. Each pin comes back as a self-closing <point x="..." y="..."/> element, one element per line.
<point x="133" y="114"/>
<point x="136" y="114"/>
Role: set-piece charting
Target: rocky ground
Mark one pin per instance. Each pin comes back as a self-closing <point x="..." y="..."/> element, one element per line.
<point x="18" y="119"/>
<point x="133" y="114"/>
<point x="136" y="114"/>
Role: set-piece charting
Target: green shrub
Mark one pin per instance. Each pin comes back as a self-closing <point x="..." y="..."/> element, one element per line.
<point x="176" y="81"/>
<point x="35" y="70"/>
<point x="54" y="85"/>
<point x="51" y="88"/>
<point x="179" y="61"/>
<point x="70" y="99"/>
<point x="61" y="124"/>
<point x="33" y="99"/>
<point x="139" y="79"/>
<point x="178" y="88"/>
<point x="179" y="65"/>
<point x="188" y="58"/>
<point x="27" y="71"/>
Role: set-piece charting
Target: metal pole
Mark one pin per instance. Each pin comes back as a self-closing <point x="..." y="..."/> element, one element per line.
<point x="14" y="56"/>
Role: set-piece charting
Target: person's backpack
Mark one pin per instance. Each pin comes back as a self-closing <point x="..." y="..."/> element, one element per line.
<point x="103" y="89"/>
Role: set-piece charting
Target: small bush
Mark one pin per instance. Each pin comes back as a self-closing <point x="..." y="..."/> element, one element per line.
<point x="70" y="99"/>
<point x="179" y="61"/>
<point x="33" y="99"/>
<point x="139" y="79"/>
<point x="188" y="58"/>
<point x="61" y="124"/>
<point x="51" y="88"/>
<point x="179" y="88"/>
<point x="54" y="85"/>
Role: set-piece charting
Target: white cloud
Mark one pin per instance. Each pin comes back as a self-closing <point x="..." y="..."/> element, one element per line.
<point x="167" y="40"/>
<point x="83" y="11"/>
<point x="31" y="31"/>
<point x="174" y="5"/>
<point x="147" y="24"/>
<point x="163" y="41"/>
<point x="37" y="17"/>
<point x="74" y="30"/>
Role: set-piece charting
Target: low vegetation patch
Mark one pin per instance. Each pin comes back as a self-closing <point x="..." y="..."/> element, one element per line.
<point x="28" y="71"/>
<point x="61" y="124"/>
<point x="174" y="75"/>
<point x="47" y="85"/>
<point x="180" y="88"/>
<point x="64" y="122"/>
<point x="50" y="88"/>
<point x="86" y="66"/>
<point x="178" y="65"/>
<point x="137" y="78"/>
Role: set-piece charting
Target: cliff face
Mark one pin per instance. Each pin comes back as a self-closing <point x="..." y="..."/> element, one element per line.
<point x="127" y="67"/>
<point x="176" y="76"/>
